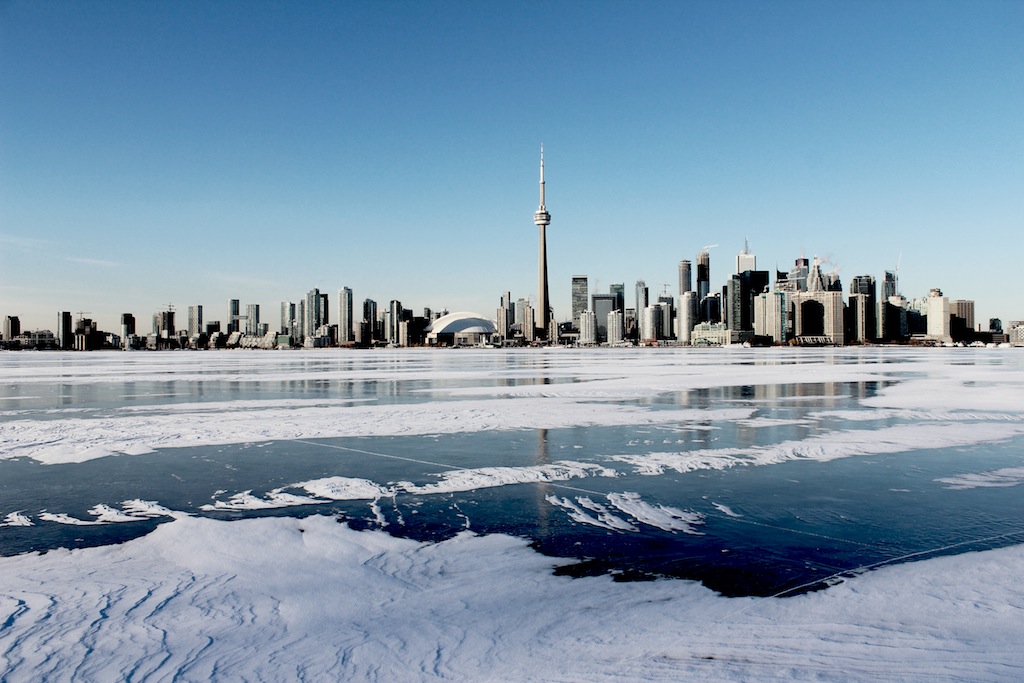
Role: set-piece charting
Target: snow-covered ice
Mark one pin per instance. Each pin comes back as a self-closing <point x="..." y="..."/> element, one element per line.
<point x="277" y="599"/>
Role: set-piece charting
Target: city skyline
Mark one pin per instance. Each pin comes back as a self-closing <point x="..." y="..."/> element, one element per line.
<point x="191" y="154"/>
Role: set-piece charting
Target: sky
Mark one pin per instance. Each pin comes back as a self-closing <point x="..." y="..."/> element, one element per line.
<point x="191" y="152"/>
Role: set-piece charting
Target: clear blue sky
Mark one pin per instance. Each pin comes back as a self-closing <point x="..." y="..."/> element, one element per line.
<point x="192" y="152"/>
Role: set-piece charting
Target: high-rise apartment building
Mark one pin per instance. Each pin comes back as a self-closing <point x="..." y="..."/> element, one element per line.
<point x="616" y="327"/>
<point x="857" y="310"/>
<point x="588" y="328"/>
<point x="938" y="316"/>
<point x="667" y="303"/>
<point x="685" y="278"/>
<point x="580" y="295"/>
<point x="12" y="327"/>
<point x="288" y="319"/>
<point x="127" y="328"/>
<point x="651" y="324"/>
<point x="642" y="298"/>
<point x="252" y="319"/>
<point x="865" y="285"/>
<point x="687" y="316"/>
<point x="392" y="334"/>
<point x="770" y="316"/>
<point x="195" y="320"/>
<point x="346" y="334"/>
<point x="525" y="312"/>
<point x="314" y="313"/>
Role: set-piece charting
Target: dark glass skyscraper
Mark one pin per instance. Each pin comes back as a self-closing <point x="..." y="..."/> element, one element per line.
<point x="703" y="274"/>
<point x="580" y="294"/>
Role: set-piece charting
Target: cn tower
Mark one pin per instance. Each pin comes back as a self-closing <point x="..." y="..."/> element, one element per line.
<point x="542" y="218"/>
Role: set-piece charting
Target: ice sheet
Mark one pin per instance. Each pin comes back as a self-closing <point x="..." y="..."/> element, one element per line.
<point x="1006" y="477"/>
<point x="79" y="440"/>
<point x="828" y="446"/>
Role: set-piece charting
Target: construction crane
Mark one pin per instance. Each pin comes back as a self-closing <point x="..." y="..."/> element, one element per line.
<point x="710" y="246"/>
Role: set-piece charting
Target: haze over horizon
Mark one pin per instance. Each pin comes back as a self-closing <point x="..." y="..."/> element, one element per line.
<point x="192" y="153"/>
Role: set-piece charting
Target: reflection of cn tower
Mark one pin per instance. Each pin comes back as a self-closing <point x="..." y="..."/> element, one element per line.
<point x="543" y="488"/>
<point x="542" y="218"/>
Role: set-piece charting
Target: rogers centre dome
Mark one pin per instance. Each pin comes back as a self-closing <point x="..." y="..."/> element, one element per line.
<point x="454" y="329"/>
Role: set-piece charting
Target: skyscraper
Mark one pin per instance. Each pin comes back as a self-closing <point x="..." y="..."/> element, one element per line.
<point x="616" y="327"/>
<point x="195" y="320"/>
<point x="703" y="282"/>
<point x="602" y="305"/>
<point x="287" y="318"/>
<point x="865" y="285"/>
<point x="580" y="294"/>
<point x="66" y="331"/>
<point x="252" y="319"/>
<point x="745" y="260"/>
<point x="619" y="290"/>
<point x="685" y="278"/>
<point x="345" y="334"/>
<point x="234" y="313"/>
<point x="542" y="219"/>
<point x="314" y="313"/>
<point x="370" y="318"/>
<point x="588" y="328"/>
<point x="394" y="320"/>
<point x="889" y="285"/>
<point x="642" y="297"/>
<point x="938" y="316"/>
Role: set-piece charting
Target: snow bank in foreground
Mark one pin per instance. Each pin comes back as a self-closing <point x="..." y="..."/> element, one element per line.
<point x="272" y="599"/>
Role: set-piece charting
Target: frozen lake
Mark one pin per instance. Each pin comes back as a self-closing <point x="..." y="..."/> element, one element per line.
<point x="757" y="472"/>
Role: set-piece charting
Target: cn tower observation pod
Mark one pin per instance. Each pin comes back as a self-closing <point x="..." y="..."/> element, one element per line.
<point x="460" y="329"/>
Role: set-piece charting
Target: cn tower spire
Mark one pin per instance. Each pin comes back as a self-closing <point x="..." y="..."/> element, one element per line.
<point x="542" y="177"/>
<point x="542" y="218"/>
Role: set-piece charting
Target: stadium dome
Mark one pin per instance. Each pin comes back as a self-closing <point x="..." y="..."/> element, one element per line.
<point x="455" y="329"/>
